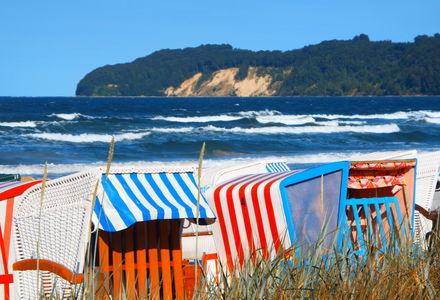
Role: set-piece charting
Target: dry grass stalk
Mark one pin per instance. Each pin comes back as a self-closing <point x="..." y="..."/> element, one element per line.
<point x="43" y="189"/>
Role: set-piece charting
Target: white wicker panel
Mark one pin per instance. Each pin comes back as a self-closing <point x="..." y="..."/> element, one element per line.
<point x="65" y="217"/>
<point x="427" y="174"/>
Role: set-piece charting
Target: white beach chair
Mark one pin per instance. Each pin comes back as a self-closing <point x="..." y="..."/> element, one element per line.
<point x="52" y="235"/>
<point x="427" y="175"/>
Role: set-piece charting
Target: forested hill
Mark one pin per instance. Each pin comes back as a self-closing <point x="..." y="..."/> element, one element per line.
<point x="337" y="67"/>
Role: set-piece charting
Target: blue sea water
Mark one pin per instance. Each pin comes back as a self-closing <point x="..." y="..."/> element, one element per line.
<point x="71" y="133"/>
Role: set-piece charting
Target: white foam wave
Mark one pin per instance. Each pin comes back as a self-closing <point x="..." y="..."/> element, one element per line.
<point x="70" y="117"/>
<point x="286" y="119"/>
<point x="432" y="120"/>
<point x="88" y="137"/>
<point x="328" y="123"/>
<point x="432" y="114"/>
<point x="253" y="113"/>
<point x="199" y="119"/>
<point x="173" y="130"/>
<point x="352" y="122"/>
<point x="385" y="128"/>
<point x="399" y="115"/>
<point x="29" y="124"/>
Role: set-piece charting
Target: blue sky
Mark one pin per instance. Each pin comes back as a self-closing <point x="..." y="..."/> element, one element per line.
<point x="47" y="46"/>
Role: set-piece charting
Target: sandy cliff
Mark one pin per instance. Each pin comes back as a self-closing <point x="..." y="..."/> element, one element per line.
<point x="225" y="83"/>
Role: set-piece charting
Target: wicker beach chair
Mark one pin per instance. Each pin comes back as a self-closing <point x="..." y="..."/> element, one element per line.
<point x="51" y="234"/>
<point x="8" y="191"/>
<point x="427" y="175"/>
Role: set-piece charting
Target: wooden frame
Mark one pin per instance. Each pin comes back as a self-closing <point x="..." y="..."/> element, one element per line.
<point x="145" y="260"/>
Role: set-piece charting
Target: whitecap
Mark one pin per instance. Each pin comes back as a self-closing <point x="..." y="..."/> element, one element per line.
<point x="432" y="120"/>
<point x="286" y="119"/>
<point x="71" y="116"/>
<point x="253" y="113"/>
<point x="198" y="119"/>
<point x="29" y="124"/>
<point x="88" y="137"/>
<point x="172" y="130"/>
<point x="385" y="128"/>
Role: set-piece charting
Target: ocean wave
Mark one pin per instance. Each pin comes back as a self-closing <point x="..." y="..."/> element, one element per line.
<point x="71" y="116"/>
<point x="28" y="124"/>
<point x="399" y="115"/>
<point x="88" y="137"/>
<point x="431" y="114"/>
<point x="199" y="119"/>
<point x="286" y="119"/>
<point x="253" y="113"/>
<point x="385" y="128"/>
<point x="432" y="120"/>
<point x="172" y="130"/>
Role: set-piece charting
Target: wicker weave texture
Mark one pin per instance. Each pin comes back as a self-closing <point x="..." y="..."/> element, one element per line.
<point x="54" y="228"/>
<point x="427" y="174"/>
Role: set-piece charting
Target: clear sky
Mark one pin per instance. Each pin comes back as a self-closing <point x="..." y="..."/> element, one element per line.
<point x="47" y="46"/>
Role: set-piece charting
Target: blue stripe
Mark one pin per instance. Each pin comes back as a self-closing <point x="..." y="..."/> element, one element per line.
<point x="174" y="211"/>
<point x="145" y="213"/>
<point x="102" y="218"/>
<point x="190" y="195"/>
<point x="202" y="198"/>
<point x="277" y="167"/>
<point x="174" y="193"/>
<point x="118" y="203"/>
<point x="159" y="209"/>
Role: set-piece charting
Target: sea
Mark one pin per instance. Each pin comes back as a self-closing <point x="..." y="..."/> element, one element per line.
<point x="73" y="133"/>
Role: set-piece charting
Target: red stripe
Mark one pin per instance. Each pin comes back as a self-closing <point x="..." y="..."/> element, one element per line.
<point x="246" y="218"/>
<point x="258" y="217"/>
<point x="6" y="278"/>
<point x="221" y="221"/>
<point x="271" y="213"/>
<point x="8" y="225"/>
<point x="16" y="191"/>
<point x="233" y="217"/>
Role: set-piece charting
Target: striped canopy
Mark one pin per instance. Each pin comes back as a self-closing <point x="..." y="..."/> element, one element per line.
<point x="127" y="198"/>
<point x="277" y="167"/>
<point x="249" y="215"/>
<point x="267" y="211"/>
<point x="15" y="188"/>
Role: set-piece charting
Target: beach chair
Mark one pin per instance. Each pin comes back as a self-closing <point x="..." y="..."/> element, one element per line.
<point x="212" y="176"/>
<point x="380" y="204"/>
<point x="427" y="171"/>
<point x="428" y="165"/>
<point x="140" y="215"/>
<point x="8" y="191"/>
<point x="51" y="234"/>
<point x="265" y="214"/>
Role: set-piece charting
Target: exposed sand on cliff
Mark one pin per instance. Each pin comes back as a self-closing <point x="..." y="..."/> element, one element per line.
<point x="223" y="83"/>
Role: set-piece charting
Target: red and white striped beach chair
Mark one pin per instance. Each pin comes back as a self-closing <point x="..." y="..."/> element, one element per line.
<point x="8" y="191"/>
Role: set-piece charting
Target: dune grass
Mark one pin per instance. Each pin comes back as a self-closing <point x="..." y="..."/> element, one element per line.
<point x="407" y="273"/>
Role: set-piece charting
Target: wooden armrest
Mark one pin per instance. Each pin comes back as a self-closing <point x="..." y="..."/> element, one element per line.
<point x="433" y="215"/>
<point x="50" y="266"/>
<point x="201" y="233"/>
